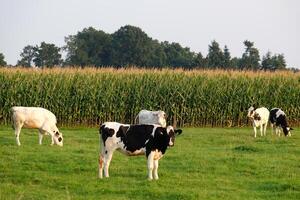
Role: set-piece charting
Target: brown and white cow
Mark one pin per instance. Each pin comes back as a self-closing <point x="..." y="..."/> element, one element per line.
<point x="260" y="118"/>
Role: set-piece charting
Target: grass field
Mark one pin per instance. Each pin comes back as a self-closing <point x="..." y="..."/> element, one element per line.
<point x="206" y="163"/>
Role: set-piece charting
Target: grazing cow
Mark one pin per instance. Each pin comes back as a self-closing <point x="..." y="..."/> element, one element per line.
<point x="278" y="119"/>
<point x="259" y="117"/>
<point x="141" y="139"/>
<point x="39" y="118"/>
<point x="151" y="117"/>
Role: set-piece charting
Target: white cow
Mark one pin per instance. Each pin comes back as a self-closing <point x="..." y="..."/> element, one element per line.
<point x="39" y="118"/>
<point x="260" y="117"/>
<point x="151" y="117"/>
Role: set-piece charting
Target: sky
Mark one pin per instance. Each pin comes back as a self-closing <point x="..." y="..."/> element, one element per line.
<point x="273" y="25"/>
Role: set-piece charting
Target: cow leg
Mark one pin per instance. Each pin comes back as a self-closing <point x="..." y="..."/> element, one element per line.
<point x="254" y="127"/>
<point x="273" y="129"/>
<point x="52" y="139"/>
<point x="17" y="133"/>
<point x="100" y="166"/>
<point x="265" y="129"/>
<point x="261" y="130"/>
<point x="150" y="163"/>
<point x="155" y="168"/>
<point x="47" y="130"/>
<point x="277" y="131"/>
<point x="106" y="161"/>
<point x="41" y="134"/>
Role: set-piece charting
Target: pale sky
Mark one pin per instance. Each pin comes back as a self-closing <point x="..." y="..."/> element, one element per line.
<point x="271" y="24"/>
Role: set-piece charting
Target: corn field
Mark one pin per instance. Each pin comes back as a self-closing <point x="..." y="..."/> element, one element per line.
<point x="90" y="96"/>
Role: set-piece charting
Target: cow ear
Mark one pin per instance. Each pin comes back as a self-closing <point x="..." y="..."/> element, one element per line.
<point x="178" y="131"/>
<point x="291" y="128"/>
<point x="255" y="106"/>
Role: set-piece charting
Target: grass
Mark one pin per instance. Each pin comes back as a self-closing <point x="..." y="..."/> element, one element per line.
<point x="206" y="163"/>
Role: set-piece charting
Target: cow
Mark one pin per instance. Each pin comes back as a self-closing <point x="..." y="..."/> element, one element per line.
<point x="260" y="118"/>
<point x="278" y="119"/>
<point x="151" y="117"/>
<point x="39" y="118"/>
<point x="140" y="139"/>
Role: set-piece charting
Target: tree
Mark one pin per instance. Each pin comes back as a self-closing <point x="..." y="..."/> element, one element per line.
<point x="235" y="63"/>
<point x="267" y="62"/>
<point x="250" y="58"/>
<point x="215" y="57"/>
<point x="47" y="55"/>
<point x="275" y="62"/>
<point x="177" y="56"/>
<point x="226" y="59"/>
<point x="158" y="57"/>
<point x="279" y="61"/>
<point x="27" y="56"/>
<point x="199" y="61"/>
<point x="131" y="46"/>
<point x="2" y="61"/>
<point x="88" y="47"/>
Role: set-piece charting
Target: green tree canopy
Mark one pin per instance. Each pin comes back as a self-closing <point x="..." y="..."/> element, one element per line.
<point x="199" y="61"/>
<point x="2" y="61"/>
<point x="177" y="56"/>
<point x="47" y="55"/>
<point x="89" y="47"/>
<point x="275" y="62"/>
<point x="250" y="58"/>
<point x="132" y="46"/>
<point x="215" y="56"/>
<point x="227" y="63"/>
<point x="27" y="56"/>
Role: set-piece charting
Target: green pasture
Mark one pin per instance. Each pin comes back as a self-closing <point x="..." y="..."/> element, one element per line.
<point x="205" y="163"/>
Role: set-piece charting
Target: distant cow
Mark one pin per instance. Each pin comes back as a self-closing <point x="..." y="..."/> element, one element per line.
<point x="151" y="117"/>
<point x="39" y="118"/>
<point x="140" y="139"/>
<point x="259" y="117"/>
<point x="278" y="119"/>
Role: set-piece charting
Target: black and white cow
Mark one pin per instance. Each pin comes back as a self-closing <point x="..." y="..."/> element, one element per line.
<point x="278" y="119"/>
<point x="140" y="139"/>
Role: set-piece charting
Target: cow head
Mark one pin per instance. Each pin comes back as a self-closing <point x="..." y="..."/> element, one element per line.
<point x="58" y="138"/>
<point x="251" y="112"/>
<point x="172" y="133"/>
<point x="287" y="131"/>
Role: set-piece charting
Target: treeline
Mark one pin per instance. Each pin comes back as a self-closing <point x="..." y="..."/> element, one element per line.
<point x="130" y="46"/>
